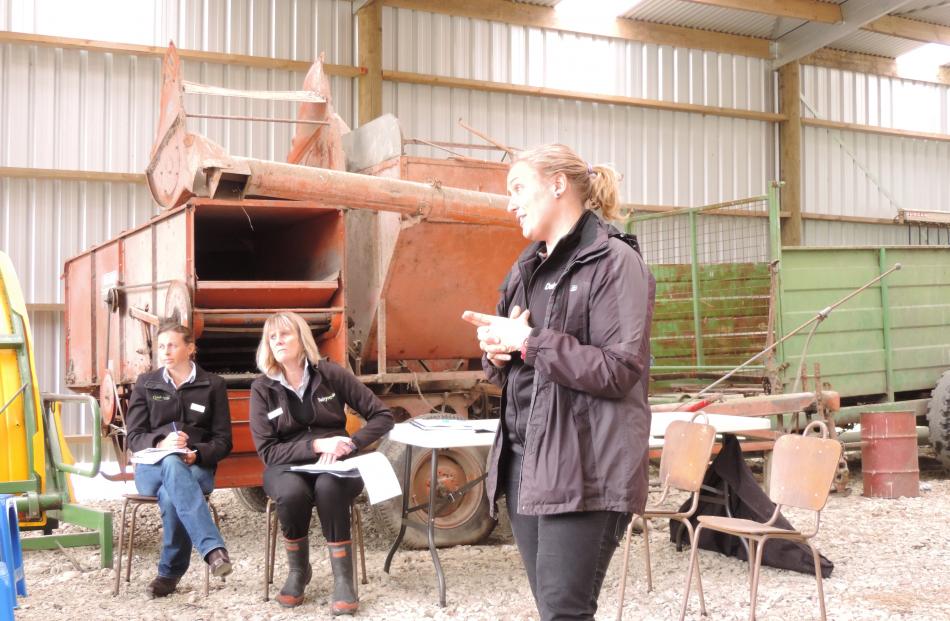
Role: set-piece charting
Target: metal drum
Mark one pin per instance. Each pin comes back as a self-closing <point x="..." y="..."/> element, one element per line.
<point x="889" y="454"/>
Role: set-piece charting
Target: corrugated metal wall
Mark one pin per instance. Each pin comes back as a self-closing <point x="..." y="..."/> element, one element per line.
<point x="859" y="174"/>
<point x="667" y="158"/>
<point x="96" y="111"/>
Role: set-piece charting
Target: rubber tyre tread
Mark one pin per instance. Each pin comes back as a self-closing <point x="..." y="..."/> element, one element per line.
<point x="938" y="417"/>
<point x="252" y="498"/>
<point x="387" y="514"/>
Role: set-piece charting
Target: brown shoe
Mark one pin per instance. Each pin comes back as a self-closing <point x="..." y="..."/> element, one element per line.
<point x="162" y="586"/>
<point x="220" y="562"/>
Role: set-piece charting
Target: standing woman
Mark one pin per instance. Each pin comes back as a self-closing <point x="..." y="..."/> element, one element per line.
<point x="181" y="406"/>
<point x="297" y="417"/>
<point x="570" y="345"/>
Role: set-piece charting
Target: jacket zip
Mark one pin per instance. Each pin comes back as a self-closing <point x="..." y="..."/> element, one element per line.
<point x="547" y="320"/>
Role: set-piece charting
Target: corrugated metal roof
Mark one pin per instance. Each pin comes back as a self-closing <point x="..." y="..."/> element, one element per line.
<point x="539" y="2"/>
<point x="705" y="17"/>
<point x="933" y="11"/>
<point x="875" y="43"/>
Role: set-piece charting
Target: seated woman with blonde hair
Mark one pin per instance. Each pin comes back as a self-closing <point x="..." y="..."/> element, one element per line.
<point x="297" y="417"/>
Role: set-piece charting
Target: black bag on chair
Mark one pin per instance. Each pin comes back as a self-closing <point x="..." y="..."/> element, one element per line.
<point x="746" y="500"/>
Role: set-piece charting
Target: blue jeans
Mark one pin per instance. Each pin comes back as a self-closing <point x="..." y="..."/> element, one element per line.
<point x="186" y="519"/>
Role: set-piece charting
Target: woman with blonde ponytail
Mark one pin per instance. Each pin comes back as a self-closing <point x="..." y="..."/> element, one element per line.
<point x="570" y="345"/>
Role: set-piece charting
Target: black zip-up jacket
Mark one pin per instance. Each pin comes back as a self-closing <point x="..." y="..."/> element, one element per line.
<point x="588" y="424"/>
<point x="199" y="408"/>
<point x="282" y="439"/>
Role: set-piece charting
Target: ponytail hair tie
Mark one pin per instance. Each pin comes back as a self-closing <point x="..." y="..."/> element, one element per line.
<point x="590" y="170"/>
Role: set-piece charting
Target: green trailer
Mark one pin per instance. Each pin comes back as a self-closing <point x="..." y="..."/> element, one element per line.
<point x="727" y="290"/>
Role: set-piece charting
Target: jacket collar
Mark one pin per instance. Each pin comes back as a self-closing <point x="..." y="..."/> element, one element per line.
<point x="593" y="241"/>
<point x="275" y="383"/>
<point x="155" y="380"/>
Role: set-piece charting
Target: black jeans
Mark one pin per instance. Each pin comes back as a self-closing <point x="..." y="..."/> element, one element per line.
<point x="296" y="493"/>
<point x="565" y="555"/>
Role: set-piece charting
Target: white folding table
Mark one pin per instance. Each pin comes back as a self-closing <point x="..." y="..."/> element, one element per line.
<point x="456" y="434"/>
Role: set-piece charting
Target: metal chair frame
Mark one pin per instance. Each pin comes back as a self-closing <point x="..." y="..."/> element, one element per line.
<point x="270" y="546"/>
<point x="137" y="500"/>
<point x="803" y="469"/>
<point x="687" y="447"/>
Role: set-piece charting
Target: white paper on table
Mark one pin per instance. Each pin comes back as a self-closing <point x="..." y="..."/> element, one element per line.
<point x="154" y="455"/>
<point x="377" y="473"/>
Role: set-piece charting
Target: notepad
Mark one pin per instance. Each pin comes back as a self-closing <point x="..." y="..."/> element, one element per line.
<point x="154" y="455"/>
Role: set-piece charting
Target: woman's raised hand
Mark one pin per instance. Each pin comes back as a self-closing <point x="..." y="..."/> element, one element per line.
<point x="499" y="336"/>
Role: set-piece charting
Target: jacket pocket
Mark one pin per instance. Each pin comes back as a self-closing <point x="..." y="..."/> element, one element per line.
<point x="577" y="296"/>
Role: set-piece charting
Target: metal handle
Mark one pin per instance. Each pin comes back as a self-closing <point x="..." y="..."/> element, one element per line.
<point x="817" y="423"/>
<point x="697" y="415"/>
<point x="52" y="422"/>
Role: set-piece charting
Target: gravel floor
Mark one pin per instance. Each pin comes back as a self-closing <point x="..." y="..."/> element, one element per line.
<point x="876" y="576"/>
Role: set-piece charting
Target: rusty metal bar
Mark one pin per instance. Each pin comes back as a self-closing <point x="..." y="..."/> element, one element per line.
<point x="143" y="316"/>
<point x="231" y="117"/>
<point x="355" y="191"/>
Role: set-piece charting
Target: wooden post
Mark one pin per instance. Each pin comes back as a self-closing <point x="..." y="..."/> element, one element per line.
<point x="370" y="58"/>
<point x="790" y="152"/>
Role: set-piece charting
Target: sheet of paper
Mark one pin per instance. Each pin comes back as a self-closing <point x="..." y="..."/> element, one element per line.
<point x="377" y="473"/>
<point x="155" y="455"/>
<point x="443" y="423"/>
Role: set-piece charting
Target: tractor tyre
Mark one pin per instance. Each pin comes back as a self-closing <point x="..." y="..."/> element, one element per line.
<point x="464" y="521"/>
<point x="938" y="416"/>
<point x="252" y="498"/>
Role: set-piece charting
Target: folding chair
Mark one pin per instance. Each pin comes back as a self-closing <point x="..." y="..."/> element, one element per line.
<point x="270" y="546"/>
<point x="686" y="450"/>
<point x="803" y="468"/>
<point x="137" y="500"/>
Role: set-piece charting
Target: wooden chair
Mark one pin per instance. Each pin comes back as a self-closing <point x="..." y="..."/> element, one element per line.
<point x="686" y="450"/>
<point x="270" y="546"/>
<point x="136" y="501"/>
<point x="803" y="468"/>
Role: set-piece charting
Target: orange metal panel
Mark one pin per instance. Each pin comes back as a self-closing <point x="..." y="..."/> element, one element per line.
<point x="106" y="267"/>
<point x="480" y="176"/>
<point x="79" y="327"/>
<point x="437" y="271"/>
<point x="277" y="294"/>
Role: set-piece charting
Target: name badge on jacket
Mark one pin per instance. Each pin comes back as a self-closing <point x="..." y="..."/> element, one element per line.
<point x="197" y="407"/>
<point x="274" y="414"/>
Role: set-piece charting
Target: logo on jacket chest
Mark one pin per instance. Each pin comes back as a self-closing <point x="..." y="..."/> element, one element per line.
<point x="329" y="397"/>
<point x="160" y="396"/>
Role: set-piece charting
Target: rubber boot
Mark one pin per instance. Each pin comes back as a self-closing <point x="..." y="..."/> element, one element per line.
<point x="345" y="601"/>
<point x="298" y="574"/>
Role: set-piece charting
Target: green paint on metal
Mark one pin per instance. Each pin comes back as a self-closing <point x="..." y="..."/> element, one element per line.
<point x="100" y="522"/>
<point x="19" y="487"/>
<point x="852" y="414"/>
<point x="886" y="327"/>
<point x="882" y="342"/>
<point x="775" y="258"/>
<point x="694" y="278"/>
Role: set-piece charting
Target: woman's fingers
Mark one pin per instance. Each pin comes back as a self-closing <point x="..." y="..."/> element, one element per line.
<point x="477" y="319"/>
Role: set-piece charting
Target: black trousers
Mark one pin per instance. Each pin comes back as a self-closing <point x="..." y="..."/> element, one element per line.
<point x="296" y="493"/>
<point x="565" y="555"/>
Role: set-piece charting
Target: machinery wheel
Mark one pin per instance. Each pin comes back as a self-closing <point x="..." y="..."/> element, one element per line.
<point x="463" y="522"/>
<point x="938" y="416"/>
<point x="253" y="498"/>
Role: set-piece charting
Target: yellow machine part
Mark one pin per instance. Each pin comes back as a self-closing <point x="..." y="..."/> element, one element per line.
<point x="14" y="464"/>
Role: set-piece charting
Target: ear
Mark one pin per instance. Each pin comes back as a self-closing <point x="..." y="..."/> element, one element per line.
<point x="560" y="184"/>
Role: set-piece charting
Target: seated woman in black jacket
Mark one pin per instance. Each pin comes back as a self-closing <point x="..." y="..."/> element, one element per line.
<point x="297" y="417"/>
<point x="181" y="406"/>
